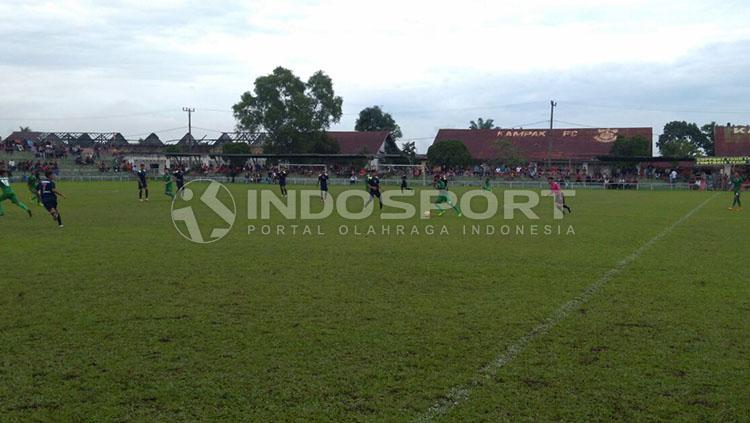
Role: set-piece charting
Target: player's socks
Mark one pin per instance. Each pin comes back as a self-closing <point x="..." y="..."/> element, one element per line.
<point x="59" y="220"/>
<point x="568" y="209"/>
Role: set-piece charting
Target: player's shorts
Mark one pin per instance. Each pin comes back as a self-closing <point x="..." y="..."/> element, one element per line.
<point x="282" y="184"/>
<point x="324" y="187"/>
<point x="49" y="203"/>
<point x="441" y="199"/>
<point x="374" y="193"/>
<point x="142" y="185"/>
<point x="559" y="199"/>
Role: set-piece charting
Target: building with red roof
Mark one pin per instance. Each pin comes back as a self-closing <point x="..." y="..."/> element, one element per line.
<point x="359" y="142"/>
<point x="732" y="141"/>
<point x="538" y="145"/>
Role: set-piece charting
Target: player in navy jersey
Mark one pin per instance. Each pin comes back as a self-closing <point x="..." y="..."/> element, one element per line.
<point x="47" y="192"/>
<point x="179" y="178"/>
<point x="404" y="184"/>
<point x="282" y="181"/>
<point x="323" y="182"/>
<point x="142" y="182"/>
<point x="374" y="185"/>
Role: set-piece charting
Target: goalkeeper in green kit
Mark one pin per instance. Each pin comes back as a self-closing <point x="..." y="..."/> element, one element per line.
<point x="168" y="183"/>
<point x="7" y="193"/>
<point x="737" y="182"/>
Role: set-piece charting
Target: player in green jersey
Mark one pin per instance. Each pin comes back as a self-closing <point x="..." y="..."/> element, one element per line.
<point x="442" y="186"/>
<point x="487" y="185"/>
<point x="168" y="183"/>
<point x="736" y="182"/>
<point x="7" y="193"/>
<point x="31" y="182"/>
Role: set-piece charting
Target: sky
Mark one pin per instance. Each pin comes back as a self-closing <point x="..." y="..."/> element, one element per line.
<point x="130" y="66"/>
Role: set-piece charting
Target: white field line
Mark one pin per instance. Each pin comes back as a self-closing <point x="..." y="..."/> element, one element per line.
<point x="459" y="394"/>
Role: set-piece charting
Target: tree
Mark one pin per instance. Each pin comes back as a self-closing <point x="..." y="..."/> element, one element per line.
<point x="292" y="113"/>
<point x="375" y="119"/>
<point x="236" y="148"/>
<point x="708" y="130"/>
<point x="682" y="139"/>
<point x="508" y="153"/>
<point x="482" y="124"/>
<point x="449" y="153"/>
<point x="409" y="149"/>
<point x="626" y="147"/>
<point x="636" y="146"/>
<point x="324" y="145"/>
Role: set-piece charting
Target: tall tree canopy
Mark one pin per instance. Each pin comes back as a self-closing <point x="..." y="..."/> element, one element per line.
<point x="236" y="148"/>
<point x="410" y="150"/>
<point x="482" y="124"/>
<point x="449" y="153"/>
<point x="708" y="130"/>
<point x="682" y="139"/>
<point x="636" y="146"/>
<point x="629" y="147"/>
<point x="375" y="119"/>
<point x="294" y="114"/>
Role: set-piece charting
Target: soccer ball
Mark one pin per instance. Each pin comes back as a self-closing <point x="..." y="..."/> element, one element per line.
<point x="427" y="213"/>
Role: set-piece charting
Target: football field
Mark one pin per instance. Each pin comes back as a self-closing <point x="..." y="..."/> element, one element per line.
<point x="634" y="307"/>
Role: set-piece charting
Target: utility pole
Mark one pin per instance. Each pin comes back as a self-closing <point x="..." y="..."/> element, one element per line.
<point x="190" y="111"/>
<point x="552" y="105"/>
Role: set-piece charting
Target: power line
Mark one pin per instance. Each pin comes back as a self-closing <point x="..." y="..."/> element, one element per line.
<point x="529" y="124"/>
<point x="210" y="130"/>
<point x="154" y="132"/>
<point x="577" y="124"/>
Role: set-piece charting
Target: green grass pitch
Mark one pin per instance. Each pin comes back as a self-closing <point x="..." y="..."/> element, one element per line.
<point x="116" y="317"/>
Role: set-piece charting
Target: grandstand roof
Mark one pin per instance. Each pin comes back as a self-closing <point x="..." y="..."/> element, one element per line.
<point x="563" y="144"/>
<point x="85" y="140"/>
<point x="356" y="142"/>
<point x="224" y="138"/>
<point x="52" y="138"/>
<point x="187" y="139"/>
<point x="23" y="136"/>
<point x="152" y="140"/>
<point x="118" y="140"/>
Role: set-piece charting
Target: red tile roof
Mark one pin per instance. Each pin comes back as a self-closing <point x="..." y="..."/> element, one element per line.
<point x="356" y="142"/>
<point x="732" y="141"/>
<point x="18" y="136"/>
<point x="563" y="144"/>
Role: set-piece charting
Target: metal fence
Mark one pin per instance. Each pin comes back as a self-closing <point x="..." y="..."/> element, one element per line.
<point x="640" y="186"/>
